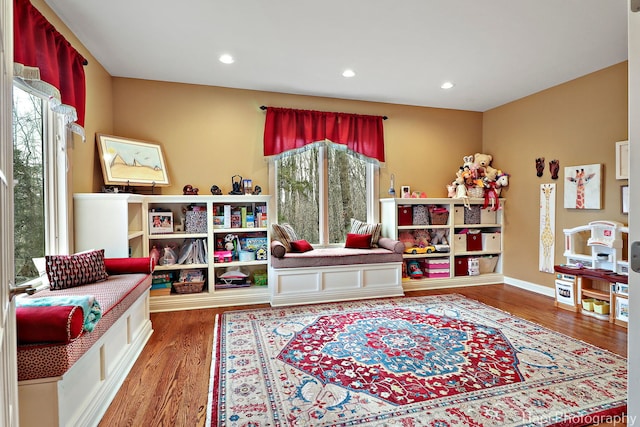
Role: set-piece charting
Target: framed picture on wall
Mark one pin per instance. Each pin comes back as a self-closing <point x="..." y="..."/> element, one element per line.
<point x="622" y="160"/>
<point x="131" y="162"/>
<point x="583" y="187"/>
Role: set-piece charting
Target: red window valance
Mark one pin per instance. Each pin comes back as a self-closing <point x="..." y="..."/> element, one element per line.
<point x="42" y="54"/>
<point x="288" y="129"/>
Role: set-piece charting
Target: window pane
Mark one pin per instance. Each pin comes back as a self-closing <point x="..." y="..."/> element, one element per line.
<point x="297" y="186"/>
<point x="347" y="193"/>
<point x="28" y="173"/>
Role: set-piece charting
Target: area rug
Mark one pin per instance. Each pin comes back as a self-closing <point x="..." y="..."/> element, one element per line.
<point x="439" y="361"/>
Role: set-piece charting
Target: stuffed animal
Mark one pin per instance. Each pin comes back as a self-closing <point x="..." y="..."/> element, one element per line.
<point x="483" y="161"/>
<point x="422" y="238"/>
<point x="439" y="236"/>
<point x="407" y="238"/>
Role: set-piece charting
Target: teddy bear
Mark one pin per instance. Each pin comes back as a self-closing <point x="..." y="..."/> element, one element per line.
<point x="422" y="238"/>
<point x="407" y="238"/>
<point x="483" y="162"/>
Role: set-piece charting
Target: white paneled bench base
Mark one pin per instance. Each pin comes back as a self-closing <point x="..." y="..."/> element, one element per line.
<point x="311" y="285"/>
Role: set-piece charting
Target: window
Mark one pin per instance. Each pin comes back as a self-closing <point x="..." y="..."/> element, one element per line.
<point x="320" y="188"/>
<point x="39" y="171"/>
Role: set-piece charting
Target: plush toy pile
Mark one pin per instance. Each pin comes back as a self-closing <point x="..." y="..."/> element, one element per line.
<point x="477" y="178"/>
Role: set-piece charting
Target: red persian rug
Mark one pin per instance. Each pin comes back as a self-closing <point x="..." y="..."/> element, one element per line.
<point x="428" y="361"/>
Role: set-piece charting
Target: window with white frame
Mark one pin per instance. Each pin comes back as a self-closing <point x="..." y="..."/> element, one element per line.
<point x="320" y="188"/>
<point x="40" y="182"/>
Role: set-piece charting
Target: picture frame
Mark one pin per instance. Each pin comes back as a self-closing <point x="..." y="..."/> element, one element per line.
<point x="405" y="191"/>
<point x="624" y="199"/>
<point x="160" y="222"/>
<point x="622" y="160"/>
<point x="131" y="162"/>
<point x="583" y="186"/>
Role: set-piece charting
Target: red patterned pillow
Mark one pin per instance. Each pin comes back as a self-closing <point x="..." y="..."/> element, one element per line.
<point x="358" y="241"/>
<point x="68" y="271"/>
<point x="301" y="246"/>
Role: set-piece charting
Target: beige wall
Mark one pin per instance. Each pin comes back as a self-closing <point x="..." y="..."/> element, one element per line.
<point x="86" y="175"/>
<point x="211" y="133"/>
<point x="577" y="123"/>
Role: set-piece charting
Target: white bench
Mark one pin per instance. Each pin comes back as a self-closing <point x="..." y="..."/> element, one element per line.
<point x="84" y="375"/>
<point x="336" y="274"/>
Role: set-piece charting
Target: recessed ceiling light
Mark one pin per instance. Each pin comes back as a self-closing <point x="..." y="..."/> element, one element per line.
<point x="348" y="73"/>
<point x="446" y="85"/>
<point x="226" y="59"/>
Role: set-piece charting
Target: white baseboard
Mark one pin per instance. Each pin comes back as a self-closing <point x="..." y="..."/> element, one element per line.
<point x="530" y="286"/>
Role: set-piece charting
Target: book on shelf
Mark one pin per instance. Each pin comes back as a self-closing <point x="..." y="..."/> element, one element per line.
<point x="227" y="216"/>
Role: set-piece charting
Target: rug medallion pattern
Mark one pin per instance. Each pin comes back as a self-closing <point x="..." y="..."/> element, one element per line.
<point x="428" y="361"/>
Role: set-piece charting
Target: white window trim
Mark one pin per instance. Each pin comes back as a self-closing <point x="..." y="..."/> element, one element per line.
<point x="57" y="184"/>
<point x="373" y="199"/>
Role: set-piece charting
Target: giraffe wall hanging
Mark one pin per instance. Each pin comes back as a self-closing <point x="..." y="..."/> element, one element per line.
<point x="546" y="255"/>
<point x="582" y="187"/>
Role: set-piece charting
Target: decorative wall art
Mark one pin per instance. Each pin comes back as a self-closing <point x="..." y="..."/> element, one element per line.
<point x="130" y="162"/>
<point x="547" y="227"/>
<point x="622" y="160"/>
<point x="582" y="187"/>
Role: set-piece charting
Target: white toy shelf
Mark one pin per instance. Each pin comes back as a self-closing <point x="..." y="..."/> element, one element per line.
<point x="598" y="245"/>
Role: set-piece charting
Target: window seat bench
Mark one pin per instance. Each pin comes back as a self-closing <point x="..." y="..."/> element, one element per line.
<point x="335" y="274"/>
<point x="72" y="384"/>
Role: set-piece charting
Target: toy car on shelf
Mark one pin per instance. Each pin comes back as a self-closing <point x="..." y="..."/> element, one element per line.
<point x="420" y="250"/>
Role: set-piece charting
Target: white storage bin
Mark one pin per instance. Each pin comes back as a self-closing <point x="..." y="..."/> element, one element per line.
<point x="488" y="216"/>
<point x="491" y="242"/>
<point x="459" y="243"/>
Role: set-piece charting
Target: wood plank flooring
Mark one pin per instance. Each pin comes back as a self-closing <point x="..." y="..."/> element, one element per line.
<point x="168" y="384"/>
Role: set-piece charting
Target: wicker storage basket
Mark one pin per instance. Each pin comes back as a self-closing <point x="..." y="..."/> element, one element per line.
<point x="188" y="287"/>
<point x="476" y="192"/>
<point x="439" y="216"/>
<point x="488" y="264"/>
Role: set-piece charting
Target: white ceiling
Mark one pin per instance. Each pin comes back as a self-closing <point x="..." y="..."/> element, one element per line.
<point x="495" y="51"/>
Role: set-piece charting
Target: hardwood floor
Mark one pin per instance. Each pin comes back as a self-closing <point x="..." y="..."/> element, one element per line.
<point x="168" y="384"/>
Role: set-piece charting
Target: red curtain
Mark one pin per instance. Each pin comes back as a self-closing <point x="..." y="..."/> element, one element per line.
<point x="38" y="44"/>
<point x="288" y="129"/>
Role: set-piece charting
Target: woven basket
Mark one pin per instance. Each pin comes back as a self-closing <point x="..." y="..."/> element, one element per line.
<point x="188" y="287"/>
<point x="476" y="192"/>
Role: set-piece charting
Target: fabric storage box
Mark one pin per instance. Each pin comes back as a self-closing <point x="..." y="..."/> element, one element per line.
<point x="459" y="243"/>
<point x="488" y="216"/>
<point x="472" y="214"/>
<point x="458" y="214"/>
<point x="437" y="264"/>
<point x="474" y="241"/>
<point x="420" y="215"/>
<point x="491" y="242"/>
<point x="196" y="222"/>
<point x="405" y="215"/>
<point x="437" y="273"/>
<point x="488" y="264"/>
<point x="461" y="267"/>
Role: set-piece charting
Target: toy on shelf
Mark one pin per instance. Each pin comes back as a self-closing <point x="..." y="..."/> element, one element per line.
<point x="597" y="245"/>
<point x="477" y="178"/>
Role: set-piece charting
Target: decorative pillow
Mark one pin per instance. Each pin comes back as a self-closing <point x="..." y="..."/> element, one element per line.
<point x="68" y="271"/>
<point x="277" y="249"/>
<point x="358" y="241"/>
<point x="301" y="246"/>
<point x="129" y="265"/>
<point x="359" y="227"/>
<point x="52" y="324"/>
<point x="285" y="234"/>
